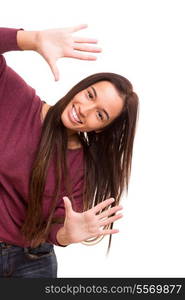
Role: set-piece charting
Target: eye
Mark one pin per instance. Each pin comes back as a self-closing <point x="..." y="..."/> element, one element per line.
<point x="90" y="95"/>
<point x="100" y="116"/>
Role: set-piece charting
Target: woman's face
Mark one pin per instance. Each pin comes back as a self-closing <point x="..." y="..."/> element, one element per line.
<point x="93" y="108"/>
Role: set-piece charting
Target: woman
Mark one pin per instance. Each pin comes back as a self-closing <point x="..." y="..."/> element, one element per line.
<point x="78" y="149"/>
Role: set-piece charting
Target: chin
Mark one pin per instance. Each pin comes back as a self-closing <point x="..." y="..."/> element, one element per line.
<point x="65" y="118"/>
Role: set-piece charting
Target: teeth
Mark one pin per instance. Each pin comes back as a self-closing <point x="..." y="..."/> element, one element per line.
<point x="75" y="115"/>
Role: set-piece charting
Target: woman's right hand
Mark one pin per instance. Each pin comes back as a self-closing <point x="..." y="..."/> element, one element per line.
<point x="53" y="44"/>
<point x="79" y="227"/>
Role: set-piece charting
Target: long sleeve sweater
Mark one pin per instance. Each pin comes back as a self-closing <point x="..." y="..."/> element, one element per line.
<point x="20" y="131"/>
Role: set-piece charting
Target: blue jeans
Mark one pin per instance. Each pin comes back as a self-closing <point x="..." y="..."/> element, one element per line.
<point x="39" y="262"/>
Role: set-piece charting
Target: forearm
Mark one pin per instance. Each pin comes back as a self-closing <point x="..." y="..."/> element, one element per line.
<point x="26" y="40"/>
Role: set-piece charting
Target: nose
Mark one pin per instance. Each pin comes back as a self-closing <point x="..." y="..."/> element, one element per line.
<point x="85" y="109"/>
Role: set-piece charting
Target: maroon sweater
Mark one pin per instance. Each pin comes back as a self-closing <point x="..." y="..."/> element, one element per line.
<point x="20" y="130"/>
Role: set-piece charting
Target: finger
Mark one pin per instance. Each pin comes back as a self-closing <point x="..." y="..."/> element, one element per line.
<point x="82" y="56"/>
<point x="109" y="212"/>
<point x="77" y="27"/>
<point x="103" y="204"/>
<point x="87" y="48"/>
<point x="110" y="220"/>
<point x="84" y="40"/>
<point x="68" y="206"/>
<point x="109" y="231"/>
<point x="54" y="69"/>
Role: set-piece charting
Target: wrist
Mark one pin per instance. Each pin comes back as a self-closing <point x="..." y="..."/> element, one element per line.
<point x="62" y="237"/>
<point x="27" y="40"/>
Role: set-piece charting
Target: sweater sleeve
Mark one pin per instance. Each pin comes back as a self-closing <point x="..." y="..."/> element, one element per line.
<point x="76" y="167"/>
<point x="13" y="88"/>
<point x="8" y="42"/>
<point x="8" y="39"/>
<point x="59" y="212"/>
<point x="77" y="196"/>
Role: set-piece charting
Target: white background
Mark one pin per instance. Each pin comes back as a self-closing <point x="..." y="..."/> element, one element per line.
<point x="144" y="41"/>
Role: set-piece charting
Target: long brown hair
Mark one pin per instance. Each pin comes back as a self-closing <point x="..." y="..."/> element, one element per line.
<point x="108" y="157"/>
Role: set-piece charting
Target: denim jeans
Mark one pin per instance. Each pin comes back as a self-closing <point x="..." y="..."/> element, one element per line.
<point x="39" y="262"/>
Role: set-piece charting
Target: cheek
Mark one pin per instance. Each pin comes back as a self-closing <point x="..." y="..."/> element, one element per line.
<point x="64" y="114"/>
<point x="79" y="98"/>
<point x="92" y="121"/>
<point x="90" y="125"/>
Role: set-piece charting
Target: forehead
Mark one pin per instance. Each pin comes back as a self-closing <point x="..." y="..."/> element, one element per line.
<point x="109" y="98"/>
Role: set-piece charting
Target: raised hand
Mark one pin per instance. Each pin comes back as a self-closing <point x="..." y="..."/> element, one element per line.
<point x="79" y="227"/>
<point x="53" y="44"/>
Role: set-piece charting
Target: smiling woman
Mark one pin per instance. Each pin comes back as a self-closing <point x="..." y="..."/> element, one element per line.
<point x="91" y="109"/>
<point x="99" y="115"/>
<point x="80" y="148"/>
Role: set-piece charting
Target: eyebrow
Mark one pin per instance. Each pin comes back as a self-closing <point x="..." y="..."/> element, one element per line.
<point x="95" y="94"/>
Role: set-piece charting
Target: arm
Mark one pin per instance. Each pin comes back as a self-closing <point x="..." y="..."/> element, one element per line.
<point x="51" y="44"/>
<point x="13" y="88"/>
<point x="75" y="163"/>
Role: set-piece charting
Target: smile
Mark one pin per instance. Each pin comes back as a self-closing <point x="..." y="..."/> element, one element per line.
<point x="73" y="116"/>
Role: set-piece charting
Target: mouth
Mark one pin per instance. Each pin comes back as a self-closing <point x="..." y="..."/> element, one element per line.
<point x="74" y="116"/>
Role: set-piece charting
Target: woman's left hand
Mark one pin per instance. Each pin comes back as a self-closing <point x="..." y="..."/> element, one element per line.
<point x="53" y="44"/>
<point x="79" y="227"/>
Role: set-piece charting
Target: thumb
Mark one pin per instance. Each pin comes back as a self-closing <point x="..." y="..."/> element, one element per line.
<point x="68" y="206"/>
<point x="54" y="69"/>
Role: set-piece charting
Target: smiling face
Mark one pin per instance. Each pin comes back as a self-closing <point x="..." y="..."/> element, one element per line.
<point x="93" y="108"/>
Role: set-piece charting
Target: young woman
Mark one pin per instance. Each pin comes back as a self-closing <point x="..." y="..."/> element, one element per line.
<point x="63" y="168"/>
